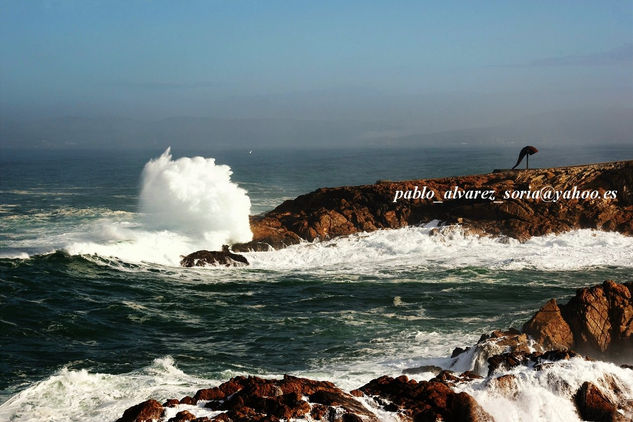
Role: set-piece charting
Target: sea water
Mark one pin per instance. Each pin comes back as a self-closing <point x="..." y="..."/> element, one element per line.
<point x="96" y="315"/>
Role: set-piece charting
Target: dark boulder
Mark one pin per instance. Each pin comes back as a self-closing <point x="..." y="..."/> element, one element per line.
<point x="214" y="258"/>
<point x="143" y="412"/>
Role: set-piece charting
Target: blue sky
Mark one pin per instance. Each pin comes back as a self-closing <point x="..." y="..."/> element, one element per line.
<point x="164" y="58"/>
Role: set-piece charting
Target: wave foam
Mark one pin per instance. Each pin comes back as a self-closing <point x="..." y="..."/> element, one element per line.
<point x="186" y="205"/>
<point x="426" y="247"/>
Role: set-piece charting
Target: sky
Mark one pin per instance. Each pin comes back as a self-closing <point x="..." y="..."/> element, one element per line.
<point x="419" y="66"/>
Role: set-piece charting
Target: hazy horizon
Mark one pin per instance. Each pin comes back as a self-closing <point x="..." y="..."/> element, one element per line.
<point x="297" y="74"/>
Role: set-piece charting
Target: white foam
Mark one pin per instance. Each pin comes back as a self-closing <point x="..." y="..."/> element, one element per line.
<point x="547" y="394"/>
<point x="82" y="395"/>
<point x="423" y="248"/>
<point x="186" y="205"/>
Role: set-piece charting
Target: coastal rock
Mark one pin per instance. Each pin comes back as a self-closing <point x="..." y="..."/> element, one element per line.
<point x="549" y="328"/>
<point x="509" y="360"/>
<point x="253" y="398"/>
<point x="330" y="212"/>
<point x="148" y="411"/>
<point x="596" y="321"/>
<point x="494" y="344"/>
<point x="593" y="405"/>
<point x="214" y="258"/>
<point x="424" y="401"/>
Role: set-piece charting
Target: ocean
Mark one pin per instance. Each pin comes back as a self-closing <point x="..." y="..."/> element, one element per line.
<point x="96" y="315"/>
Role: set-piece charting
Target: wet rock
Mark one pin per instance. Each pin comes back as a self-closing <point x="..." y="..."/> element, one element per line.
<point x="171" y="403"/>
<point x="424" y="401"/>
<point x="458" y="351"/>
<point x="593" y="405"/>
<point x="509" y="360"/>
<point x="506" y="384"/>
<point x="253" y="398"/>
<point x="182" y="416"/>
<point x="143" y="412"/>
<point x="187" y="400"/>
<point x="214" y="258"/>
<point x="497" y="343"/>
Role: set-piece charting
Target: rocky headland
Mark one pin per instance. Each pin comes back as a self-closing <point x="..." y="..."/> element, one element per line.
<point x="330" y="212"/>
<point x="596" y="321"/>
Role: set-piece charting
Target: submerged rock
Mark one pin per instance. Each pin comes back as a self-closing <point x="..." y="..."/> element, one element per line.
<point x="214" y="258"/>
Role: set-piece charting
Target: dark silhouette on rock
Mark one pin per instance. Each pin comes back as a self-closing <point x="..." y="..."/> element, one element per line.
<point x="525" y="152"/>
<point x="215" y="258"/>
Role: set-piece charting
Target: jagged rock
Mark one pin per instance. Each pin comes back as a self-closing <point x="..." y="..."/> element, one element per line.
<point x="143" y="412"/>
<point x="593" y="405"/>
<point x="253" y="398"/>
<point x="601" y="318"/>
<point x="549" y="328"/>
<point x="511" y="359"/>
<point x="214" y="258"/>
<point x="596" y="321"/>
<point x="330" y="212"/>
<point x="424" y="401"/>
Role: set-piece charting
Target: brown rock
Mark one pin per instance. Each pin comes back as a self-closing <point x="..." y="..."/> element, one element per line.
<point x="330" y="212"/>
<point x="424" y="401"/>
<point x="182" y="416"/>
<point x="187" y="400"/>
<point x="171" y="403"/>
<point x="143" y="412"/>
<point x="549" y="328"/>
<point x="593" y="405"/>
<point x="601" y="318"/>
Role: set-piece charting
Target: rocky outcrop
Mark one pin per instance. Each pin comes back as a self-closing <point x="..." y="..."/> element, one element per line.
<point x="214" y="258"/>
<point x="596" y="321"/>
<point x="257" y="399"/>
<point x="424" y="401"/>
<point x="330" y="212"/>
